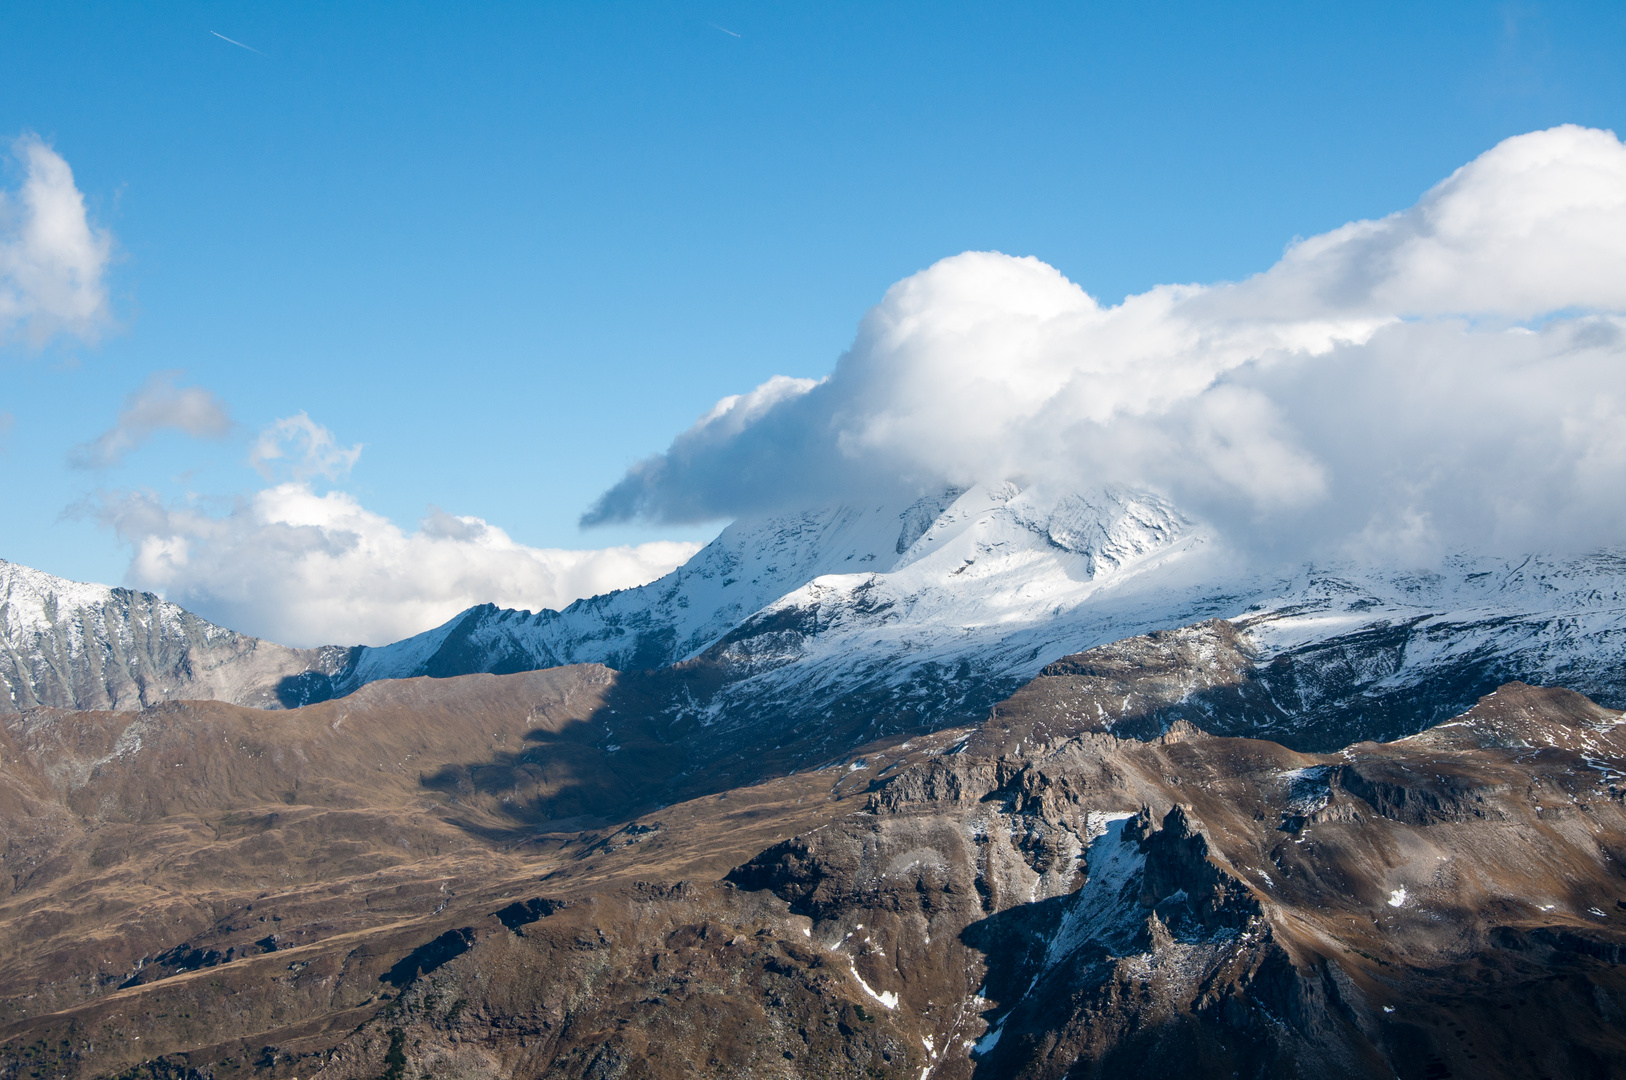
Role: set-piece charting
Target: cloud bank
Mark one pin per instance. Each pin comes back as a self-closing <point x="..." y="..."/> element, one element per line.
<point x="307" y="568"/>
<point x="52" y="260"/>
<point x="157" y="406"/>
<point x="1449" y="377"/>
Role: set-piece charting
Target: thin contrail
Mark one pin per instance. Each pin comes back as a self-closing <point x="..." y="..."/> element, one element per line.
<point x="724" y="29"/>
<point x="251" y="48"/>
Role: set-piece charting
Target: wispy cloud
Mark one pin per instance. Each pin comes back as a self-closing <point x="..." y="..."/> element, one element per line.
<point x="239" y="44"/>
<point x="52" y="259"/>
<point x="298" y="448"/>
<point x="157" y="406"/>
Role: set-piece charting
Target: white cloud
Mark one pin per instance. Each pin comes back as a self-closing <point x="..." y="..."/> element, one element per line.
<point x="52" y="260"/>
<point x="1535" y="225"/>
<point x="1450" y="376"/>
<point x="300" y="448"/>
<point x="159" y="404"/>
<point x="736" y="418"/>
<point x="305" y="568"/>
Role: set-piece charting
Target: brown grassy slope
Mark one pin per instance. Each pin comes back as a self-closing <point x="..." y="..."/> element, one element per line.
<point x="1262" y="939"/>
<point x="140" y="830"/>
<point x="205" y="850"/>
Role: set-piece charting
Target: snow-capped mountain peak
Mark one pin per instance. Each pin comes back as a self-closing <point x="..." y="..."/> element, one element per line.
<point x="76" y="645"/>
<point x="960" y="543"/>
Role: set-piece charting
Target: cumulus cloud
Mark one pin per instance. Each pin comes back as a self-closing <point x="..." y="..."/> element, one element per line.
<point x="305" y="567"/>
<point x="734" y="422"/>
<point x="308" y="568"/>
<point x="158" y="405"/>
<point x="1452" y="376"/>
<point x="52" y="259"/>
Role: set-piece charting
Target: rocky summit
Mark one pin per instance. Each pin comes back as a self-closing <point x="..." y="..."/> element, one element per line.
<point x="541" y="874"/>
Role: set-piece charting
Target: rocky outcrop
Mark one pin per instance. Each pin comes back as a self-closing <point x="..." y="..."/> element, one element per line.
<point x="69" y="645"/>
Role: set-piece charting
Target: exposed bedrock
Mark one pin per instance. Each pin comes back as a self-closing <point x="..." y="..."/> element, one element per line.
<point x="1256" y="914"/>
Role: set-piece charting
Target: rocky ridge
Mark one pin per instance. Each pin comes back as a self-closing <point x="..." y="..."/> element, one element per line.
<point x="71" y="645"/>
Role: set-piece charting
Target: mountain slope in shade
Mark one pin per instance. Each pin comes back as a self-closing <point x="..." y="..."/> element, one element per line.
<point x="72" y="645"/>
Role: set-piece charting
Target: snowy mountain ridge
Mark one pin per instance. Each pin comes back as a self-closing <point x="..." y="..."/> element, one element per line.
<point x="906" y="614"/>
<point x="936" y="609"/>
<point x="756" y="567"/>
<point x="76" y="645"/>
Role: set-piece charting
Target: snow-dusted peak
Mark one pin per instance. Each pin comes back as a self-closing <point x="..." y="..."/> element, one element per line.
<point x="76" y="645"/>
<point x="1109" y="527"/>
<point x="31" y="599"/>
<point x="990" y="550"/>
<point x="752" y="563"/>
<point x="763" y="558"/>
<point x="34" y="603"/>
<point x="999" y="564"/>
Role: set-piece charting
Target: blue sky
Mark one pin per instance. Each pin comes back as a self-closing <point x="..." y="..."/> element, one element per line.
<point x="512" y="249"/>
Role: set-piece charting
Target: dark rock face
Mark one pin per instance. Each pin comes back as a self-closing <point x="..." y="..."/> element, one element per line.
<point x="1397" y="793"/>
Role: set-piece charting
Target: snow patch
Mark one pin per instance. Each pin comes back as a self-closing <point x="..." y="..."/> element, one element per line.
<point x="887" y="998"/>
<point x="1105" y="909"/>
<point x="987" y="1043"/>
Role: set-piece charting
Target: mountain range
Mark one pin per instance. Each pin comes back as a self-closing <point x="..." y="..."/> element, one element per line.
<point x="913" y="615"/>
<point x="998" y="783"/>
